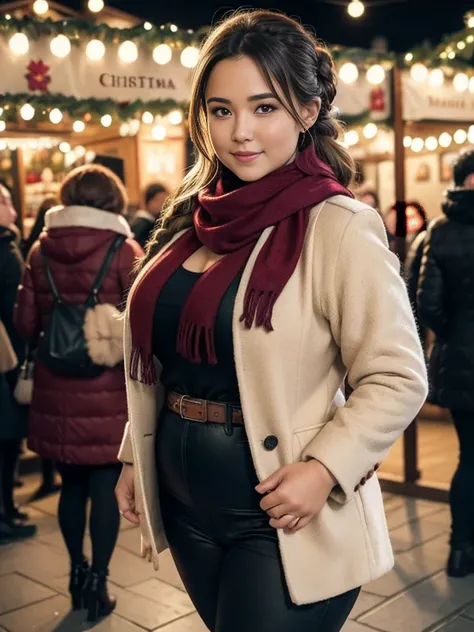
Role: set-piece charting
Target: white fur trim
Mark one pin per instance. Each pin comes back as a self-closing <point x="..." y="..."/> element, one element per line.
<point x="86" y="217"/>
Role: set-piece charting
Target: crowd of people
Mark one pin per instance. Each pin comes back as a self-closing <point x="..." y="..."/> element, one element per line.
<point x="262" y="490"/>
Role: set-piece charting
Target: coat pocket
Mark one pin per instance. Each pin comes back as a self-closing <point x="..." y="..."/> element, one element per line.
<point x="301" y="438"/>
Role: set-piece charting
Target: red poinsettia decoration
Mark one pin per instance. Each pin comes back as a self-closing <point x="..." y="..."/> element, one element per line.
<point x="38" y="78"/>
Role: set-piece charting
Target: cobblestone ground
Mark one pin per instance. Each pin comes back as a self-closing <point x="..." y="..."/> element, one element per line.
<point x="416" y="596"/>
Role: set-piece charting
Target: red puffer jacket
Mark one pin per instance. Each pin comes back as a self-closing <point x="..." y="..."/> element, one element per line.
<point x="76" y="420"/>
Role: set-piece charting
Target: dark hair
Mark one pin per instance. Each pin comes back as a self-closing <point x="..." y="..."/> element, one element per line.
<point x="38" y="226"/>
<point x="96" y="186"/>
<point x="373" y="193"/>
<point x="152" y="190"/>
<point x="463" y="167"/>
<point x="289" y="57"/>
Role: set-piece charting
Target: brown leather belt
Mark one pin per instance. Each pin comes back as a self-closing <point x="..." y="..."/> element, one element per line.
<point x="203" y="410"/>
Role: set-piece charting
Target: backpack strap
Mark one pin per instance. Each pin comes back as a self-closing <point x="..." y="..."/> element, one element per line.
<point x="49" y="276"/>
<point x="117" y="242"/>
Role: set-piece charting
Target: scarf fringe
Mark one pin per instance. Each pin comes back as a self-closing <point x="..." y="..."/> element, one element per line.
<point x="191" y="338"/>
<point x="258" y="308"/>
<point x="143" y="370"/>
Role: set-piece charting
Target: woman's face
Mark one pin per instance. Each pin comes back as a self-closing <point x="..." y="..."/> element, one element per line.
<point x="251" y="131"/>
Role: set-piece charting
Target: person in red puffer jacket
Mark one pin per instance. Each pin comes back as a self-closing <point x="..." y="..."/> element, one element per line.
<point x="79" y="422"/>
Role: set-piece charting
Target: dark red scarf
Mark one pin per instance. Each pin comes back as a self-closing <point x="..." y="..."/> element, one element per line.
<point x="230" y="223"/>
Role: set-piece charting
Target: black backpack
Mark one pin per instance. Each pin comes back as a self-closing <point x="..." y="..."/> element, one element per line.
<point x="62" y="346"/>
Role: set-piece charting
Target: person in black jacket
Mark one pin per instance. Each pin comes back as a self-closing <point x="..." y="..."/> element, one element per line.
<point x="13" y="417"/>
<point x="446" y="306"/>
<point x="144" y="222"/>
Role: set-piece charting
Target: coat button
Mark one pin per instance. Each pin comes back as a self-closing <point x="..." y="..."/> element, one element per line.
<point x="363" y="480"/>
<point x="270" y="442"/>
<point x="370" y="473"/>
<point x="356" y="488"/>
<point x="376" y="467"/>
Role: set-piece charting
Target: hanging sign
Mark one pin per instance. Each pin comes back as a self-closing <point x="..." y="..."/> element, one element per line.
<point x="424" y="102"/>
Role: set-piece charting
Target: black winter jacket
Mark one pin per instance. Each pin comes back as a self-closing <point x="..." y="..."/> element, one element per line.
<point x="446" y="302"/>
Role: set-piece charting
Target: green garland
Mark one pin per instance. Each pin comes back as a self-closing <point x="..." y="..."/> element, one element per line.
<point x="79" y="31"/>
<point x="82" y="109"/>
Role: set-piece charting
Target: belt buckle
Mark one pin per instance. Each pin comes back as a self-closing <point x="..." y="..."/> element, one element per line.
<point x="184" y="398"/>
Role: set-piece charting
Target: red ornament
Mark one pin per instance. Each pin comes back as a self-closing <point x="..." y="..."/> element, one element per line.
<point x="38" y="78"/>
<point x="377" y="99"/>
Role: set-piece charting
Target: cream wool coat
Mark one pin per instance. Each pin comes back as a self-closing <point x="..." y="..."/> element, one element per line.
<point x="344" y="310"/>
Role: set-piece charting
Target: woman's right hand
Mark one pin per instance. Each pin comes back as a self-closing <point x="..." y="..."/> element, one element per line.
<point x="125" y="494"/>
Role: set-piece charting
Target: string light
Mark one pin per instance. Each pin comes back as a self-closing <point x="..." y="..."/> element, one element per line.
<point x="370" y="131"/>
<point x="40" y="7"/>
<point x="356" y="9"/>
<point x="95" y="6"/>
<point x="470" y="134"/>
<point x="348" y="73"/>
<point x="80" y="151"/>
<point x="158" y="132"/>
<point x="106" y="120"/>
<point x="148" y="26"/>
<point x="60" y="46"/>
<point x="460" y="136"/>
<point x="351" y="138"/>
<point x="190" y="57"/>
<point x="65" y="147"/>
<point x="407" y="142"/>
<point x="128" y="52"/>
<point x="417" y="145"/>
<point x="471" y="84"/>
<point x="95" y="50"/>
<point x="409" y="57"/>
<point x="27" y="112"/>
<point x="470" y="22"/>
<point x="419" y="72"/>
<point x="175" y="117"/>
<point x="55" y="116"/>
<point x="431" y="143"/>
<point x="376" y="74"/>
<point x="147" y="118"/>
<point x="78" y="126"/>
<point x="3" y="126"/>
<point x="461" y="82"/>
<point x="436" y="78"/>
<point x="445" y="140"/>
<point x="19" y="44"/>
<point x="461" y="45"/>
<point x="134" y="126"/>
<point x="162" y="54"/>
<point x="173" y="28"/>
<point x="124" y="129"/>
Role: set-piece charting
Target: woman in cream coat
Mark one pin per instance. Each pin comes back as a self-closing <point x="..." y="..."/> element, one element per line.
<point x="343" y="312"/>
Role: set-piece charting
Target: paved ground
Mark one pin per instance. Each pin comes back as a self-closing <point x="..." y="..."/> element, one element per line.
<point x="415" y="597"/>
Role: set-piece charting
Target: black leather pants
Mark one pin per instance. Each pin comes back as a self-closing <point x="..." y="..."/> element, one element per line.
<point x="224" y="548"/>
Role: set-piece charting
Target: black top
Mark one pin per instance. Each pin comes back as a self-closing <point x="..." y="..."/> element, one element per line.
<point x="214" y="382"/>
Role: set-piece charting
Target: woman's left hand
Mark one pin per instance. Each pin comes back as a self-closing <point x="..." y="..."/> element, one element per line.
<point x="295" y="494"/>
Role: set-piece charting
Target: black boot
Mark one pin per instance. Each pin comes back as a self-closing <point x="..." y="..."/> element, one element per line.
<point x="76" y="584"/>
<point x="98" y="601"/>
<point x="11" y="530"/>
<point x="461" y="560"/>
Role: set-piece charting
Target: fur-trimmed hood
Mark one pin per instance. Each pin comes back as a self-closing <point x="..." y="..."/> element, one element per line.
<point x="86" y="217"/>
<point x="73" y="233"/>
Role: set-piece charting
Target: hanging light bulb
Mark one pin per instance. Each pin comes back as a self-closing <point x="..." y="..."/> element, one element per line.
<point x="461" y="82"/>
<point x="27" y="112"/>
<point x="376" y="74"/>
<point x="431" y="143"/>
<point x="128" y="52"/>
<point x="407" y="140"/>
<point x="348" y="73"/>
<point x="134" y="126"/>
<point x="148" y="118"/>
<point x="460" y="136"/>
<point x="461" y="45"/>
<point x="64" y="147"/>
<point x="190" y="56"/>
<point x="162" y="54"/>
<point x="370" y="130"/>
<point x="409" y="57"/>
<point x="173" y="28"/>
<point x="175" y="117"/>
<point x="445" y="140"/>
<point x="60" y="46"/>
<point x="106" y="120"/>
<point x="78" y="126"/>
<point x="158" y="132"/>
<point x="80" y="151"/>
<point x="470" y="22"/>
<point x="436" y="78"/>
<point x="55" y="116"/>
<point x="124" y="129"/>
<point x="3" y="126"/>
<point x="40" y="7"/>
<point x="351" y="137"/>
<point x="95" y="50"/>
<point x="355" y="9"/>
<point x="148" y="26"/>
<point x="19" y="44"/>
<point x="419" y="72"/>
<point x="417" y="144"/>
<point x="95" y="6"/>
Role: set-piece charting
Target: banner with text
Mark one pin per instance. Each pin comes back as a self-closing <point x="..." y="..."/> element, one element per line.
<point x="75" y="75"/>
<point x="423" y="102"/>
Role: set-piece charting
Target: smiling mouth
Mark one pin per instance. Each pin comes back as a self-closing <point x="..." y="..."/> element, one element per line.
<point x="246" y="156"/>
